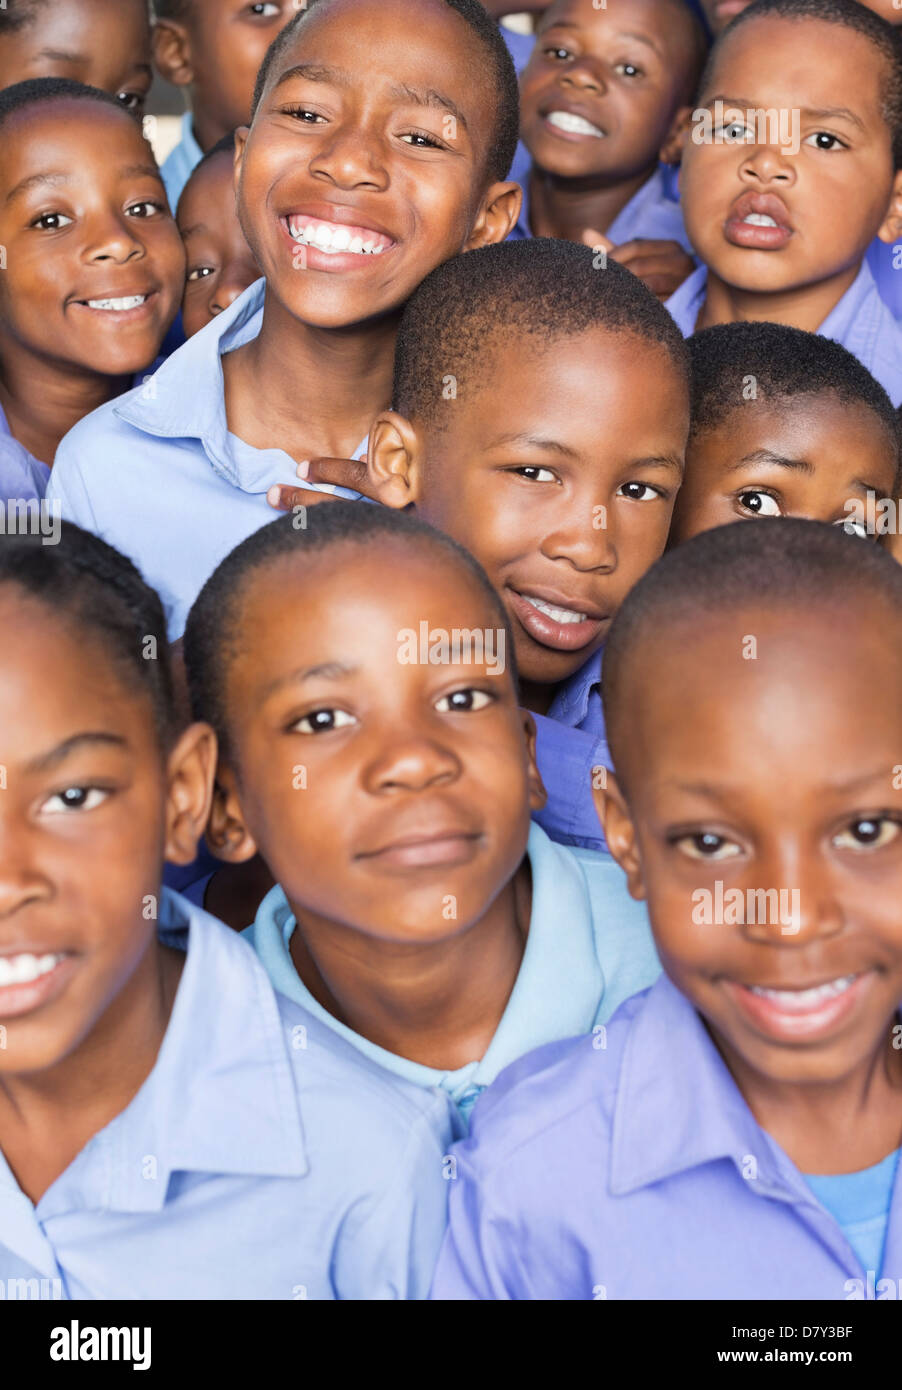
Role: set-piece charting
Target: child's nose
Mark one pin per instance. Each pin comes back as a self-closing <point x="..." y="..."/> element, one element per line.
<point x="584" y="76"/>
<point x="113" y="238"/>
<point x="767" y="164"/>
<point x="411" y="762"/>
<point x="352" y="157"/>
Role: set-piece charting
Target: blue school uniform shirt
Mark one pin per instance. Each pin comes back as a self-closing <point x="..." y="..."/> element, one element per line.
<point x="885" y="262"/>
<point x="589" y="947"/>
<point x="262" y="1158"/>
<point x="631" y="1167"/>
<point x="861" y="322"/>
<point x="180" y="161"/>
<point x="22" y="476"/>
<point x="158" y="474"/>
<point x="571" y="745"/>
<point x="861" y="1203"/>
<point x="652" y="212"/>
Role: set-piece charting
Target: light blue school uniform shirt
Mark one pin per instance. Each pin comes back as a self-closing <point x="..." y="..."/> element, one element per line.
<point x="158" y="474"/>
<point x="860" y="322"/>
<point x="631" y="1167"/>
<point x="589" y="947"/>
<point x="861" y="1204"/>
<point x="262" y="1158"/>
<point x="179" y="163"/>
<point x="885" y="262"/>
<point x="22" y="476"/>
<point x="571" y="746"/>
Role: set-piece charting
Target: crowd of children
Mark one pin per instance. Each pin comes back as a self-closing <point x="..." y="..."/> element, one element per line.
<point x="391" y="712"/>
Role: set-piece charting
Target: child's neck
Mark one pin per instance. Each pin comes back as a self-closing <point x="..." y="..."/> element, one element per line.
<point x="537" y="698"/>
<point x="47" y="1117"/>
<point x="437" y="1004"/>
<point x="842" y="1127"/>
<point x="566" y="208"/>
<point x="43" y="401"/>
<point x="311" y="392"/>
<point x="804" y="307"/>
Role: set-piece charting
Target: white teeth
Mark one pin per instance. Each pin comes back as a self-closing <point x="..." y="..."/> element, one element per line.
<point x="759" y="219"/>
<point x="560" y="615"/>
<point x="574" y="125"/>
<point x="117" y="306"/>
<point x="334" y="239"/>
<point x="25" y="969"/>
<point x="797" y="999"/>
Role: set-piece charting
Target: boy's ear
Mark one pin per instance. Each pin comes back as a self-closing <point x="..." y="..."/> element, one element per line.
<point x="619" y="832"/>
<point x="537" y="793"/>
<point x="241" y="134"/>
<point x="393" y="460"/>
<point x="892" y="224"/>
<point x="497" y="216"/>
<point x="171" y="48"/>
<point x="227" y="833"/>
<point x="675" y="141"/>
<point x="190" y="769"/>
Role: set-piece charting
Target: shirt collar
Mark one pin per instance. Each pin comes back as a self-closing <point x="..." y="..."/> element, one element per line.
<point x="556" y="993"/>
<point x="678" y="1107"/>
<point x="686" y="302"/>
<point x="571" y="703"/>
<point x="221" y="1097"/>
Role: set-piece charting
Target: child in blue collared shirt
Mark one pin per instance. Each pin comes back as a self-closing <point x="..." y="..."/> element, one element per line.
<point x="602" y="98"/>
<point x="795" y="168"/>
<point x="301" y="363"/>
<point x="93" y="267"/>
<point x="735" y="1132"/>
<point x="373" y="754"/>
<point x="170" y="1127"/>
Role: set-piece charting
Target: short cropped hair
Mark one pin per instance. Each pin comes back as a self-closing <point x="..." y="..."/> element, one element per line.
<point x="36" y="91"/>
<point x="846" y="14"/>
<point x="776" y="563"/>
<point x="785" y="363"/>
<point x="540" y="286"/>
<point x="99" y="592"/>
<point x="497" y="72"/>
<point x="213" y="634"/>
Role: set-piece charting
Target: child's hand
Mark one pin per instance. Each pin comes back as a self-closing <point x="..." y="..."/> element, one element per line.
<point x="349" y="473"/>
<point x="662" y="265"/>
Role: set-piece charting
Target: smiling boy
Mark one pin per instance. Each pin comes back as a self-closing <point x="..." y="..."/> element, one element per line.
<point x="94" y="265"/>
<point x="418" y="913"/>
<point x="783" y="228"/>
<point x="351" y="138"/>
<point x="103" y="43"/>
<point x="784" y="423"/>
<point x="751" y="1101"/>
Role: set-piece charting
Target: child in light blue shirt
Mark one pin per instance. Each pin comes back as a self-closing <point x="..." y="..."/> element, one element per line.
<point x="299" y="366"/>
<point x="373" y="754"/>
<point x="228" y="1145"/>
<point x="783" y="217"/>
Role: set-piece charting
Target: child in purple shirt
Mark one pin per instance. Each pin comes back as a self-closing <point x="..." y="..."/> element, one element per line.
<point x="734" y="1131"/>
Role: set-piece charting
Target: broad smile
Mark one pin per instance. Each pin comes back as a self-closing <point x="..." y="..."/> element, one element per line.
<point x="571" y="124"/>
<point x="334" y="238"/>
<point x="28" y="980"/>
<point x="119" y="308"/>
<point x="803" y="1014"/>
<point x="563" y="624"/>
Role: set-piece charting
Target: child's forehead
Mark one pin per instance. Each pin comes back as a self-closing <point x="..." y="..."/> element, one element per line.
<point x="808" y="62"/>
<point x="214" y="179"/>
<point x="36" y="132"/>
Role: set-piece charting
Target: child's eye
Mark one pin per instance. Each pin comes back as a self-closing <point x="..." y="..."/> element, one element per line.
<point x="200" y="272"/>
<point x="759" y="503"/>
<point x="707" y="846"/>
<point x="463" y="701"/>
<point x="132" y="101"/>
<point x="265" y="10"/>
<point x="74" y="799"/>
<point x="558" y="54"/>
<point x="146" y="208"/>
<point x="421" y="141"/>
<point x="535" y="474"/>
<point x="628" y="70"/>
<point x="52" y="221"/>
<point x="853" y="527"/>
<point x="638" y="492"/>
<point x="304" y="115"/>
<point x="871" y="832"/>
<point x="323" y="721"/>
<point x="823" y="140"/>
<point x="735" y="133"/>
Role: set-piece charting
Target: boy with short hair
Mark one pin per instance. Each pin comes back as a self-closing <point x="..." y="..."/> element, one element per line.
<point x="220" y="265"/>
<point x="602" y="98"/>
<point x="94" y="267"/>
<point x="783" y="219"/>
<point x="358" y="176"/>
<point x="373" y="753"/>
<point x="784" y="423"/>
<point x="735" y="1133"/>
<point x="103" y="43"/>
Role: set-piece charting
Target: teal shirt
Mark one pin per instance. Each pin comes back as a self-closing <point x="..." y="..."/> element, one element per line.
<point x="589" y="947"/>
<point x="860" y="1204"/>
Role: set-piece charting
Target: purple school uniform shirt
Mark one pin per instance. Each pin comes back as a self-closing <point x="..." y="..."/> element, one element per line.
<point x="571" y="748"/>
<point x="22" y="477"/>
<point x="861" y="322"/>
<point x="627" y="1165"/>
<point x="885" y="263"/>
